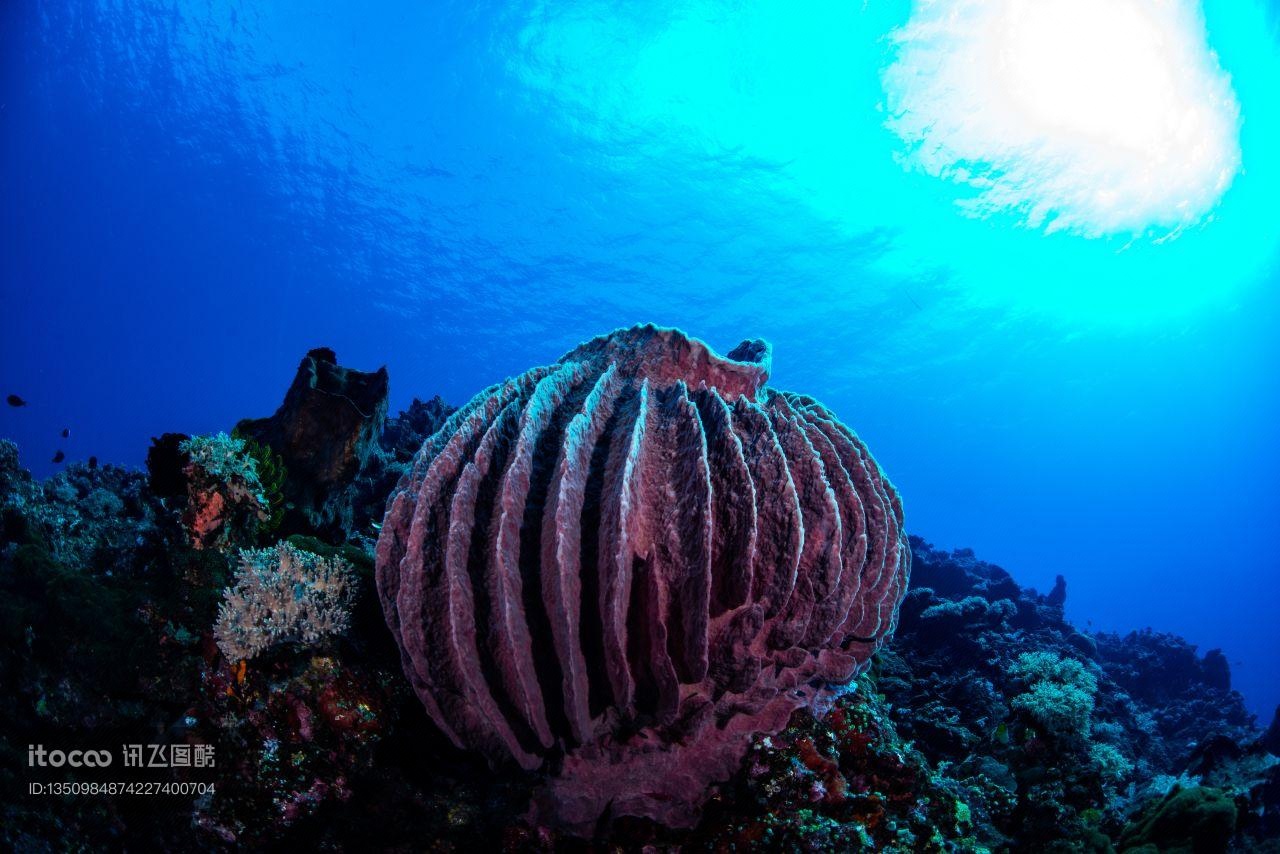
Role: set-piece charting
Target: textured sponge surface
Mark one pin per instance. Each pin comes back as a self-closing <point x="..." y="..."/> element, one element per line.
<point x="622" y="566"/>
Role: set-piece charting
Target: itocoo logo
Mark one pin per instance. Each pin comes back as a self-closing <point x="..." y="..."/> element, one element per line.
<point x="37" y="756"/>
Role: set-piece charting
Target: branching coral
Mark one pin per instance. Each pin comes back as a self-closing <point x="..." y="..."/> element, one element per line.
<point x="283" y="594"/>
<point x="223" y="457"/>
<point x="1059" y="695"/>
<point x="1110" y="762"/>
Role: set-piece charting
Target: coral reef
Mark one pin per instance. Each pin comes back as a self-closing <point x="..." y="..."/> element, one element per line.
<point x="225" y="496"/>
<point x="949" y="742"/>
<point x="86" y="515"/>
<point x="1183" y="690"/>
<point x="844" y="782"/>
<point x="637" y="557"/>
<point x="1037" y="720"/>
<point x="1186" y="820"/>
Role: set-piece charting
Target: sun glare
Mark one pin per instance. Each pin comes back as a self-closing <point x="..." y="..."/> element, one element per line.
<point x="1093" y="116"/>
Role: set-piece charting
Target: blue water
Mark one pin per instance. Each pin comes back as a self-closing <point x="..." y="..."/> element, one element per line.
<point x="192" y="194"/>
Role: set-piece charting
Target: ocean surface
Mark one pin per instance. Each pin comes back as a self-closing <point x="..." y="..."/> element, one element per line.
<point x="192" y="194"/>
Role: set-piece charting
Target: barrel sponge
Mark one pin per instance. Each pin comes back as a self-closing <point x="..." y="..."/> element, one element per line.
<point x="620" y="567"/>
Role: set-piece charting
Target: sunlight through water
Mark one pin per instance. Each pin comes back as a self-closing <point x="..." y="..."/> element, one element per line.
<point x="1084" y="159"/>
<point x="1097" y="116"/>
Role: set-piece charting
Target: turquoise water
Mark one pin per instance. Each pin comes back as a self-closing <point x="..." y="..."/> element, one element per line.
<point x="193" y="194"/>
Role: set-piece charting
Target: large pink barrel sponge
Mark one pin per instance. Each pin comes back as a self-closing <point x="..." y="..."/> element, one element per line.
<point x="620" y="567"/>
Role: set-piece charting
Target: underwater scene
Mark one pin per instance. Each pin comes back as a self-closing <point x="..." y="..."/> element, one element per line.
<point x="665" y="426"/>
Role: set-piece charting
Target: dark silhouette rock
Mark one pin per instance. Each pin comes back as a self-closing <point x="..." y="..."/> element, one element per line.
<point x="165" y="465"/>
<point x="1216" y="670"/>
<point x="328" y="422"/>
<point x="326" y="432"/>
<point x="1058" y="595"/>
<point x="632" y="561"/>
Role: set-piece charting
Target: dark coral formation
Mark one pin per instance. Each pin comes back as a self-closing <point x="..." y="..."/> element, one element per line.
<point x="1031" y="774"/>
<point x="326" y="432"/>
<point x="638" y="557"/>
<point x="325" y="461"/>
<point x="329" y="420"/>
<point x="1184" y="691"/>
<point x="339" y="452"/>
<point x="988" y="723"/>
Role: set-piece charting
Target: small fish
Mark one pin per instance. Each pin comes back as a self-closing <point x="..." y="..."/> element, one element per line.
<point x="1002" y="733"/>
<point x="66" y="432"/>
<point x="376" y="526"/>
<point x="59" y="457"/>
<point x="14" y="400"/>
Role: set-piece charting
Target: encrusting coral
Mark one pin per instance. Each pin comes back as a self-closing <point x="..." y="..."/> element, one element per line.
<point x="283" y="594"/>
<point x="633" y="560"/>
